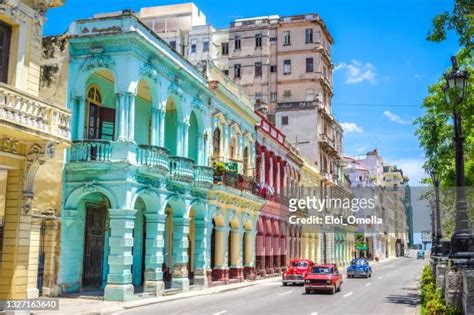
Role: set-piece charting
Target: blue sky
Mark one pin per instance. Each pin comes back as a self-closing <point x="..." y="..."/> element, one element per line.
<point x="380" y="55"/>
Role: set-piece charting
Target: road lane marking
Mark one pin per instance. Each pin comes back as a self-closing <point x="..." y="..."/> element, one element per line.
<point x="221" y="312"/>
<point x="284" y="293"/>
<point x="367" y="284"/>
<point x="315" y="313"/>
<point x="348" y="294"/>
<point x="380" y="278"/>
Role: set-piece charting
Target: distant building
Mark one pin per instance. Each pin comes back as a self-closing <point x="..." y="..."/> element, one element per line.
<point x="371" y="177"/>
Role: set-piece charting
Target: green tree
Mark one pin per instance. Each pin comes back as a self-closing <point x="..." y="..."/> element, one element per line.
<point x="434" y="129"/>
<point x="459" y="20"/>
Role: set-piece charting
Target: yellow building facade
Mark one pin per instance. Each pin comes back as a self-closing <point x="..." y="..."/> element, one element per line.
<point x="310" y="186"/>
<point x="33" y="135"/>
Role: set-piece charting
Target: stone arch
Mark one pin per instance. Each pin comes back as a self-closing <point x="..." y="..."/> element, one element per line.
<point x="219" y="217"/>
<point x="84" y="254"/>
<point x="87" y="70"/>
<point x="77" y="194"/>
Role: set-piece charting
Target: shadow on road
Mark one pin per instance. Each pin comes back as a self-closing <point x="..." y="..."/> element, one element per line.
<point x="411" y="299"/>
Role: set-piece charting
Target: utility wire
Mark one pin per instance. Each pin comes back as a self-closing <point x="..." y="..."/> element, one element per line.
<point x="377" y="105"/>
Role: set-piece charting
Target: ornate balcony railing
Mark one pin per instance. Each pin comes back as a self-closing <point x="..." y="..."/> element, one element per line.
<point x="154" y="157"/>
<point x="181" y="169"/>
<point x="248" y="184"/>
<point x="34" y="114"/>
<point x="90" y="150"/>
<point x="203" y="176"/>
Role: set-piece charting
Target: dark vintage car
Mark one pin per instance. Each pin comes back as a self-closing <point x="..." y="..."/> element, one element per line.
<point x="296" y="271"/>
<point x="323" y="278"/>
<point x="359" y="268"/>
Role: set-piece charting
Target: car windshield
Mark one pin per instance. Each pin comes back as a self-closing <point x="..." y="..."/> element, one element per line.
<point x="321" y="270"/>
<point x="360" y="262"/>
<point x="299" y="264"/>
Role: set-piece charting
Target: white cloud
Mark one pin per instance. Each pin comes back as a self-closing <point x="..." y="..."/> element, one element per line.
<point x="396" y="118"/>
<point x="351" y="127"/>
<point x="358" y="71"/>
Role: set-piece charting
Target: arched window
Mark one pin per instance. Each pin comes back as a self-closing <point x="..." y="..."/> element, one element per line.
<point x="216" y="142"/>
<point x="100" y="119"/>
<point x="246" y="161"/>
<point x="233" y="148"/>
<point x="93" y="96"/>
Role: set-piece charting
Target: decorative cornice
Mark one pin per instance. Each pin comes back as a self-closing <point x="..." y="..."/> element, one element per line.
<point x="97" y="61"/>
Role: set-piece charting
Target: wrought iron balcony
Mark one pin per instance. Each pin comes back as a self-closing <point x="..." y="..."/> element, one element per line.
<point x="203" y="176"/>
<point x="154" y="157"/>
<point x="29" y="113"/>
<point x="181" y="169"/>
<point x="91" y="151"/>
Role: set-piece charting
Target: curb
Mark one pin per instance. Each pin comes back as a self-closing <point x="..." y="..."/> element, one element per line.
<point x="180" y="296"/>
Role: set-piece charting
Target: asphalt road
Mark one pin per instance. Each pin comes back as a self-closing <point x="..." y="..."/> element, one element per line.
<point x="391" y="290"/>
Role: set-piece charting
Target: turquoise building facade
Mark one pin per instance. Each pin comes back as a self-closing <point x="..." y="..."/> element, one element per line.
<point x="141" y="211"/>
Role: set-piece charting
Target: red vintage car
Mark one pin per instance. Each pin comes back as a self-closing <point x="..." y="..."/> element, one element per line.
<point x="296" y="271"/>
<point x="323" y="278"/>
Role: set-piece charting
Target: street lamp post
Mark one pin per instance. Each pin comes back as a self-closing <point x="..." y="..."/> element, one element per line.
<point x="461" y="240"/>
<point x="437" y="247"/>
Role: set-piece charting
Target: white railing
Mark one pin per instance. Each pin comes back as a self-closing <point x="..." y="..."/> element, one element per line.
<point x="32" y="113"/>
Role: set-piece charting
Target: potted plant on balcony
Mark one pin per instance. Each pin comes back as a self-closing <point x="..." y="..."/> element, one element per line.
<point x="219" y="170"/>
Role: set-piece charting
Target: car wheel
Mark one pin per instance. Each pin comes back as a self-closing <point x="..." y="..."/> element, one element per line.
<point x="284" y="284"/>
<point x="307" y="291"/>
<point x="333" y="290"/>
<point x="370" y="275"/>
<point x="339" y="288"/>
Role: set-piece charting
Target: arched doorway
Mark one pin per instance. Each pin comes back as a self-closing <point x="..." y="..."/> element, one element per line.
<point x="143" y="106"/>
<point x="193" y="139"/>
<point x="191" y="246"/>
<point x="100" y="106"/>
<point x="95" y="252"/>
<point x="213" y="244"/>
<point x="168" y="248"/>
<point x="171" y="118"/>
<point x="216" y="143"/>
<point x="139" y="246"/>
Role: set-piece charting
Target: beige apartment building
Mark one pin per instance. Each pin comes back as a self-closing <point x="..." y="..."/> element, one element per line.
<point x="282" y="63"/>
<point x="394" y="182"/>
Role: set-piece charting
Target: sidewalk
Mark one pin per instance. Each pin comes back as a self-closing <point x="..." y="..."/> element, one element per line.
<point x="93" y="306"/>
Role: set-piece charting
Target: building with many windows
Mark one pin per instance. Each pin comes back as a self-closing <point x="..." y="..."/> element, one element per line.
<point x="33" y="135"/>
<point x="278" y="169"/>
<point x="157" y="192"/>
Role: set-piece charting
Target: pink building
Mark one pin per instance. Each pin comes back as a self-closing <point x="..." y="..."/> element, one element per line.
<point x="278" y="172"/>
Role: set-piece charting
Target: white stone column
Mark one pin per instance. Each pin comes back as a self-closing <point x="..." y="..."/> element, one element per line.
<point x="80" y="106"/>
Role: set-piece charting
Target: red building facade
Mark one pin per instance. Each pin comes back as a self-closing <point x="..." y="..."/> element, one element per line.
<point x="277" y="173"/>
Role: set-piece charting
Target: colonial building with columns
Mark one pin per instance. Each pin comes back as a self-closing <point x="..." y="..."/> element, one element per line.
<point x="33" y="134"/>
<point x="234" y="200"/>
<point x="278" y="175"/>
<point x="157" y="192"/>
